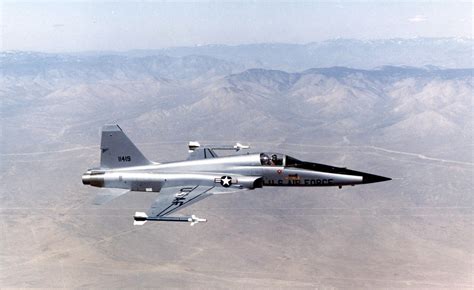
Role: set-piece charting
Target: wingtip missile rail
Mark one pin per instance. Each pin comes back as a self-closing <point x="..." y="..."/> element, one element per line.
<point x="193" y="145"/>
<point x="140" y="218"/>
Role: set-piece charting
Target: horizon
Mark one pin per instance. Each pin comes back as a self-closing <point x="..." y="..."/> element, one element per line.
<point x="122" y="26"/>
<point x="239" y="45"/>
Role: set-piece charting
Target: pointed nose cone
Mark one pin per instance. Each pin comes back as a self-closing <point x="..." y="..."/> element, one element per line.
<point x="372" y="178"/>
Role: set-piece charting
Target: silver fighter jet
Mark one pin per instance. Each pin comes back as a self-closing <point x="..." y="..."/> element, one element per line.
<point x="204" y="173"/>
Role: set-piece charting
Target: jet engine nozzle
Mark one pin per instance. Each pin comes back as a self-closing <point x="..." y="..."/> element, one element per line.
<point x="91" y="179"/>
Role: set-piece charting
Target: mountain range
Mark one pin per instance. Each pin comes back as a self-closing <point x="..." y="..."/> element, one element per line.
<point x="394" y="103"/>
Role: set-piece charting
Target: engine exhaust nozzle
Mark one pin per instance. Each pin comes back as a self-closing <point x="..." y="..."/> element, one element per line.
<point x="96" y="180"/>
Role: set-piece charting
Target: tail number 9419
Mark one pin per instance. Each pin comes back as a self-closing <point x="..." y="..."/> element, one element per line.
<point x="124" y="158"/>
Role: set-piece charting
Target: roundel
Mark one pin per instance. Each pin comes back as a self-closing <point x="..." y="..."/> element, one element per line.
<point x="226" y="181"/>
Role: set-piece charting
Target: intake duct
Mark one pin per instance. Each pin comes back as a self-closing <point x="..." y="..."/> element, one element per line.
<point x="250" y="182"/>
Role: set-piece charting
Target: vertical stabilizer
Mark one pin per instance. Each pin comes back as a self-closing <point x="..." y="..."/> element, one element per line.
<point x="117" y="150"/>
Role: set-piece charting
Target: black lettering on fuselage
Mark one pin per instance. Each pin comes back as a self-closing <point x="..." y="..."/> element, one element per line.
<point x="268" y="182"/>
<point x="294" y="182"/>
<point x="307" y="182"/>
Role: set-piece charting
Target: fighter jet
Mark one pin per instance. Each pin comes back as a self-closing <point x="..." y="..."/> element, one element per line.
<point x="204" y="173"/>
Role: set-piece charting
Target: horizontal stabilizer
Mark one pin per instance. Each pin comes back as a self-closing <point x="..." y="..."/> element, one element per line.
<point x="108" y="195"/>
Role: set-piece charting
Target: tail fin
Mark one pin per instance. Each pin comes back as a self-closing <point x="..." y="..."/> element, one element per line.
<point x="117" y="150"/>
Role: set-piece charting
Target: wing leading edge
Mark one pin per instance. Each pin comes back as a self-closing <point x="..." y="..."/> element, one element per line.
<point x="172" y="199"/>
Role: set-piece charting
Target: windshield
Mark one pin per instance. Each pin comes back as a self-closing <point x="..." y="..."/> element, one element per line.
<point x="271" y="159"/>
<point x="292" y="162"/>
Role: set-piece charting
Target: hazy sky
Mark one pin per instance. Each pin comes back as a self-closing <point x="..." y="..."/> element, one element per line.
<point x="102" y="25"/>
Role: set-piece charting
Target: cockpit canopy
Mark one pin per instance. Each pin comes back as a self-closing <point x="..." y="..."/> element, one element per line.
<point x="272" y="159"/>
<point x="277" y="159"/>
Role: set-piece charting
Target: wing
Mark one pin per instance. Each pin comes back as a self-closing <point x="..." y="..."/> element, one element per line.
<point x="202" y="153"/>
<point x="174" y="198"/>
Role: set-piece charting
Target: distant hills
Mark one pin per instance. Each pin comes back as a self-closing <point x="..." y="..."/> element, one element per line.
<point x="101" y="67"/>
<point x="194" y="96"/>
<point x="328" y="91"/>
<point x="442" y="52"/>
<point x="366" y="54"/>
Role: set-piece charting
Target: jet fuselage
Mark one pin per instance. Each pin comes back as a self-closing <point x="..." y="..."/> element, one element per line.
<point x="248" y="171"/>
<point x="183" y="183"/>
